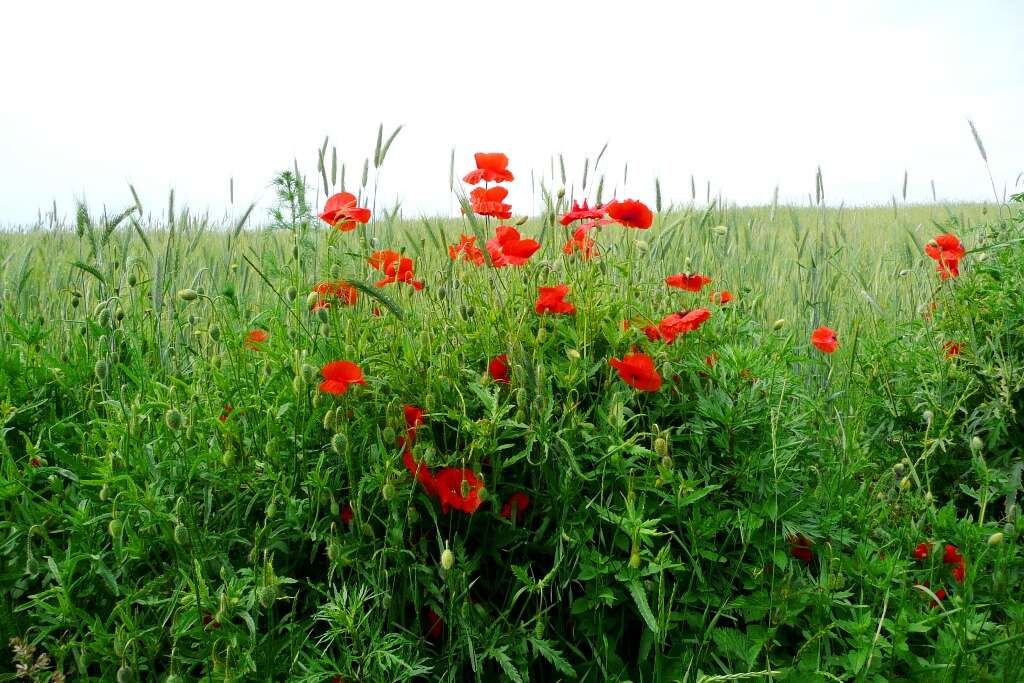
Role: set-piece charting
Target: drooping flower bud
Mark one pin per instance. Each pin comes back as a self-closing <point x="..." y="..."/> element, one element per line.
<point x="188" y="294"/>
<point x="779" y="324"/>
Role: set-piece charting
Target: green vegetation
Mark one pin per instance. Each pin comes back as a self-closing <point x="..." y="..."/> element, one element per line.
<point x="180" y="501"/>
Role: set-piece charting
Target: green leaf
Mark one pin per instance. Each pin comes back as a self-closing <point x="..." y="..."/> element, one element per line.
<point x="548" y="651"/>
<point x="640" y="598"/>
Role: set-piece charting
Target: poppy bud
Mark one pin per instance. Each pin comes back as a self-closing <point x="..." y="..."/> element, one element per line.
<point x="181" y="535"/>
<point x="297" y="384"/>
<point x="412" y="514"/>
<point x="104" y="319"/>
<point x="447" y="558"/>
<point x="442" y="292"/>
<point x="271" y="509"/>
<point x="779" y="324"/>
<point x="75" y="301"/>
<point x="338" y="443"/>
<point x="214" y="332"/>
<point x="311" y="299"/>
<point x="561" y="192"/>
<point x="328" y="423"/>
<point x="119" y="315"/>
<point x="976" y="444"/>
<point x="521" y="220"/>
<point x="125" y="674"/>
<point x="132" y="280"/>
<point x="573" y="354"/>
<point x="666" y="462"/>
<point x="295" y="251"/>
<point x="928" y="417"/>
<point x="641" y="246"/>
<point x="227" y="459"/>
<point x="634" y="558"/>
<point x="905" y="484"/>
<point x="996" y="538"/>
<point x="291" y="293"/>
<point x="389" y="436"/>
<point x="661" y="447"/>
<point x="173" y="419"/>
<point x="266" y="596"/>
<point x="898" y="470"/>
<point x="104" y="493"/>
<point x="367" y="530"/>
<point x="115" y="527"/>
<point x="720" y="230"/>
<point x="322" y="315"/>
<point x="542" y="334"/>
<point x="188" y="294"/>
<point x="387" y="492"/>
<point x="101" y="369"/>
<point x="333" y="550"/>
<point x="336" y="272"/>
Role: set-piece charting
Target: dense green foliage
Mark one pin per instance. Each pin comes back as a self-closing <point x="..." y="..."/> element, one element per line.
<point x="144" y="537"/>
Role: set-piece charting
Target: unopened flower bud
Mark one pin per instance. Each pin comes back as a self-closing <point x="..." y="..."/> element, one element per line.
<point x="387" y="492"/>
<point x="447" y="558"/>
<point x="101" y="369"/>
<point x="661" y="447"/>
<point x="572" y="354"/>
<point x="187" y="294"/>
<point x="322" y="314"/>
<point x="976" y="444"/>
<point x="297" y="384"/>
<point x="291" y="293"/>
<point x="311" y="299"/>
<point x="641" y="246"/>
<point x="389" y="436"/>
<point x="996" y="538"/>
<point x="561" y="192"/>
<point x="634" y="558"/>
<point x="336" y="271"/>
<point x="338" y="443"/>
<point x="173" y="419"/>
<point x="928" y="417"/>
<point x="779" y="324"/>
<point x="720" y="230"/>
<point x="181" y="535"/>
<point x="521" y="220"/>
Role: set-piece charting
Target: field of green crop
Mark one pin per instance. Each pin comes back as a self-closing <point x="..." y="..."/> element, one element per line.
<point x="498" y="483"/>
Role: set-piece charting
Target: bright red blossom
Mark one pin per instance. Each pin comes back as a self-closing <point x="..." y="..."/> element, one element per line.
<point x="255" y="338"/>
<point x="721" y="298"/>
<point x="552" y="300"/>
<point x="491" y="168"/>
<point x="396" y="268"/>
<point x="824" y="339"/>
<point x="947" y="251"/>
<point x="951" y="348"/>
<point x="579" y="213"/>
<point x="340" y="211"/>
<point x="490" y="202"/>
<point x="675" y="324"/>
<point x="519" y="501"/>
<point x="508" y="248"/>
<point x="342" y="291"/>
<point x="498" y="369"/>
<point x="921" y="551"/>
<point x="338" y="375"/>
<point x="630" y="213"/>
<point x="690" y="282"/>
<point x="637" y="370"/>
<point x="467" y="249"/>
<point x="450" y="489"/>
<point x="581" y="243"/>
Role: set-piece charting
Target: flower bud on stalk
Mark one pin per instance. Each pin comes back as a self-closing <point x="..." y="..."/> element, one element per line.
<point x="447" y="558"/>
<point x="188" y="294"/>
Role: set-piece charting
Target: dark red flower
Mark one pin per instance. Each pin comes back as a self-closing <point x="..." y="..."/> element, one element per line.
<point x="552" y="300"/>
<point x="675" y="324"/>
<point x="800" y="547"/>
<point x="396" y="268"/>
<point x="498" y="368"/>
<point x="951" y="348"/>
<point x="580" y="242"/>
<point x="947" y="251"/>
<point x="630" y="213"/>
<point x="338" y="375"/>
<point x="434" y="624"/>
<point x="579" y="213"/>
<point x="255" y="338"/>
<point x="490" y="202"/>
<point x="450" y="489"/>
<point x="518" y="500"/>
<point x="824" y="339"/>
<point x="226" y="412"/>
<point x="467" y="249"/>
<point x="491" y="168"/>
<point x="721" y="298"/>
<point x="36" y="462"/>
<point x="508" y="248"/>
<point x="711" y="359"/>
<point x="958" y="572"/>
<point x="637" y="370"/>
<point x="208" y="623"/>
<point x="346" y="514"/>
<point x="413" y="417"/>
<point x="690" y="282"/>
<point x="940" y="593"/>
<point x="921" y="551"/>
<point x="341" y="212"/>
<point x="950" y="555"/>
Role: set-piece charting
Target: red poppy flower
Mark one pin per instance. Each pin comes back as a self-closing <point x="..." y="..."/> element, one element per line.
<point x="255" y="338"/>
<point x="519" y="500"/>
<point x="341" y="212"/>
<point x="675" y="324"/>
<point x="579" y="213"/>
<point x="450" y="488"/>
<point x="951" y="348"/>
<point x="413" y="416"/>
<point x="637" y="370"/>
<point x="346" y="514"/>
<point x="341" y="291"/>
<point x="824" y="339"/>
<point x="625" y="325"/>
<point x="490" y="168"/>
<point x="434" y="623"/>
<point x="551" y="300"/>
<point x="950" y="555"/>
<point x="467" y="249"/>
<point x="800" y="547"/>
<point x="690" y="282"/>
<point x="490" y="202"/>
<point x="947" y="251"/>
<point x="580" y="242"/>
<point x="498" y="369"/>
<point x="508" y="248"/>
<point x="338" y="375"/>
<point x="958" y="572"/>
<point x="396" y="268"/>
<point x="721" y="298"/>
<point x="36" y="462"/>
<point x="630" y="213"/>
<point x="941" y="595"/>
<point x="652" y="333"/>
<point x="921" y="551"/>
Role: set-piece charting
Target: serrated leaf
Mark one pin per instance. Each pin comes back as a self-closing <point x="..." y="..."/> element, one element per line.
<point x="548" y="651"/>
<point x="640" y="599"/>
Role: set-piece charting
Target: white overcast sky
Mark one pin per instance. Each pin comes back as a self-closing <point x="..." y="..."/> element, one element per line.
<point x="746" y="95"/>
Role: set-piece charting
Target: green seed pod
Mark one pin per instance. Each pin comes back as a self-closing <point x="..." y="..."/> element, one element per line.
<point x="132" y="280"/>
<point x="389" y="436"/>
<point x="661" y="447"/>
<point x="188" y="294"/>
<point x="367" y="530"/>
<point x="339" y="443"/>
<point x="104" y="319"/>
<point x="542" y="334"/>
<point x="309" y="373"/>
<point x="271" y="509"/>
<point x="328" y="422"/>
<point x="266" y="596"/>
<point x="227" y="458"/>
<point x="333" y="550"/>
<point x="387" y="492"/>
<point x="311" y="299"/>
<point x="125" y="674"/>
<point x="115" y="527"/>
<point x="779" y="324"/>
<point x="75" y="301"/>
<point x="996" y="538"/>
<point x="666" y="462"/>
<point x="335" y="508"/>
<point x="173" y="419"/>
<point x="181" y="536"/>
<point x="447" y="558"/>
<point x="323" y="314"/>
<point x="573" y="354"/>
<point x="101" y="370"/>
<point x="976" y="444"/>
<point x="291" y="294"/>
